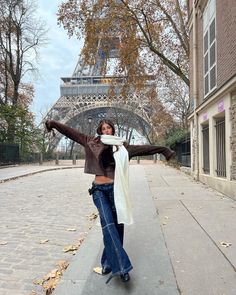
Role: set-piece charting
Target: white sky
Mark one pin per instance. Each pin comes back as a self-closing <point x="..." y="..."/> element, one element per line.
<point x="57" y="59"/>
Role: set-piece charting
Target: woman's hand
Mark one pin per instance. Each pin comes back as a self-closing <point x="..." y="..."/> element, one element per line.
<point x="48" y="126"/>
<point x="125" y="143"/>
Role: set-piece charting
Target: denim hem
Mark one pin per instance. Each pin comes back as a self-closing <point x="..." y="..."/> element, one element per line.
<point x="114" y="244"/>
<point x="126" y="270"/>
<point x="113" y="253"/>
<point x="106" y="266"/>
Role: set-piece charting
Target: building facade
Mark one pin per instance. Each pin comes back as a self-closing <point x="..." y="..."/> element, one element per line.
<point x="213" y="93"/>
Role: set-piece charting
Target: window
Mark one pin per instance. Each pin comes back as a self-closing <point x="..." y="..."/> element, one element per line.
<point x="209" y="47"/>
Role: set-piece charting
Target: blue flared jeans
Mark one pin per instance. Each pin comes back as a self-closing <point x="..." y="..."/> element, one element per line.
<point x="114" y="256"/>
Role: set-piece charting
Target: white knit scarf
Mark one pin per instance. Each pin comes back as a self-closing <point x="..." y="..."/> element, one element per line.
<point x="121" y="181"/>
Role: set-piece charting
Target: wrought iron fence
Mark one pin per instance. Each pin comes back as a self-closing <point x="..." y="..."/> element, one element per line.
<point x="205" y="146"/>
<point x="183" y="152"/>
<point x="220" y="148"/>
<point x="9" y="154"/>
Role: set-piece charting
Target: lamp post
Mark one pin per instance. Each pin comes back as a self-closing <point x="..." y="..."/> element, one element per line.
<point x="66" y="140"/>
<point x="90" y="122"/>
<point x="133" y="138"/>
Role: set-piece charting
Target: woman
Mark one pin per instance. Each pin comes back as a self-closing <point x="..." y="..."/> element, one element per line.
<point x="106" y="156"/>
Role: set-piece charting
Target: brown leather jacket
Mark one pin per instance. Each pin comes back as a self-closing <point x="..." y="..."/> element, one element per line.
<point x="98" y="156"/>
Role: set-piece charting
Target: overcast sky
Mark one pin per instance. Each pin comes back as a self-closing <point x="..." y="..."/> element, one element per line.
<point x="57" y="59"/>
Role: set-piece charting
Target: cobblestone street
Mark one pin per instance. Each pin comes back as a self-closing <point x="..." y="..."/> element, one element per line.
<point x="35" y="209"/>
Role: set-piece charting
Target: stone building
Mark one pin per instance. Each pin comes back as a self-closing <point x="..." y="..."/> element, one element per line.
<point x="212" y="120"/>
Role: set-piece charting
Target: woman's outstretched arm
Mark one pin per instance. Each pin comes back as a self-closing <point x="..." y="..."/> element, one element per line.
<point x="146" y="150"/>
<point x="67" y="131"/>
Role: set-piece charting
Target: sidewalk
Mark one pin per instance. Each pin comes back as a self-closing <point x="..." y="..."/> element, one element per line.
<point x="14" y="172"/>
<point x="199" y="228"/>
<point x="182" y="242"/>
<point x="144" y="242"/>
<point x="177" y="244"/>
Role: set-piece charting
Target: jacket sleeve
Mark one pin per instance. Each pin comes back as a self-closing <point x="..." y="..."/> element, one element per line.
<point x="67" y="131"/>
<point x="146" y="150"/>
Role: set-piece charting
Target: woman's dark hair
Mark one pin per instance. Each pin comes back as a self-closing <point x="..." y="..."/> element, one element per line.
<point x="105" y="121"/>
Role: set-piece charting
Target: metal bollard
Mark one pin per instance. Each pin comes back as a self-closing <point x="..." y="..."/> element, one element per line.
<point x="57" y="159"/>
<point x="155" y="158"/>
<point x="74" y="159"/>
<point x="41" y="159"/>
<point x="138" y="160"/>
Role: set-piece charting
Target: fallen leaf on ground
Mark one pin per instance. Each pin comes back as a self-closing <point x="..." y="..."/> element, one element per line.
<point x="43" y="241"/>
<point x="70" y="248"/>
<point x="80" y="241"/>
<point x="98" y="270"/>
<point x="225" y="244"/>
<point x="3" y="243"/>
<point x="52" y="274"/>
<point x="63" y="264"/>
<point x="71" y="229"/>
<point x="50" y="281"/>
<point x="38" y="282"/>
<point x="92" y="216"/>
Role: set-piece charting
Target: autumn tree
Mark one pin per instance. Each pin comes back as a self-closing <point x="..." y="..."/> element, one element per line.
<point x="152" y="43"/>
<point x="175" y="97"/>
<point x="152" y="33"/>
<point x="21" y="35"/>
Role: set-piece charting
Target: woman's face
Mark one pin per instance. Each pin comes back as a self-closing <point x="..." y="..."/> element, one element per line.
<point x="106" y="129"/>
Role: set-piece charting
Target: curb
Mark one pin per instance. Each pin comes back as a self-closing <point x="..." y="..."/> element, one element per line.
<point x="74" y="280"/>
<point x="36" y="172"/>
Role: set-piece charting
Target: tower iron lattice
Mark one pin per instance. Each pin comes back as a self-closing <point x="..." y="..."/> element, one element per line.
<point x="85" y="99"/>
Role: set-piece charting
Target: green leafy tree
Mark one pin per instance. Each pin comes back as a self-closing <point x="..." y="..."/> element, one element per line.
<point x="27" y="135"/>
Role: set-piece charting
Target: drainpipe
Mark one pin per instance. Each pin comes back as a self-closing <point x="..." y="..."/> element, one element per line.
<point x="195" y="94"/>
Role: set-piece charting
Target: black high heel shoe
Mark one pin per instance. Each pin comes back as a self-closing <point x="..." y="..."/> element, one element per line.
<point x="105" y="271"/>
<point x="125" y="277"/>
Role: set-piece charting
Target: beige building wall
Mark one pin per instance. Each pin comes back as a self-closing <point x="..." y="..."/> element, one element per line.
<point x="208" y="116"/>
<point x="208" y="109"/>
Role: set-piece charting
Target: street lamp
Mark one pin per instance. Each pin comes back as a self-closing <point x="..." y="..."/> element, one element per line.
<point x="90" y="122"/>
<point x="133" y="138"/>
<point x="66" y="140"/>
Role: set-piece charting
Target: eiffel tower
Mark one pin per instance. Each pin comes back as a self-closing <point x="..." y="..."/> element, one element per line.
<point x="85" y="99"/>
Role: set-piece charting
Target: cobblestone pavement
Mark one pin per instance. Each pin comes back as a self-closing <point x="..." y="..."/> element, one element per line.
<point x="35" y="208"/>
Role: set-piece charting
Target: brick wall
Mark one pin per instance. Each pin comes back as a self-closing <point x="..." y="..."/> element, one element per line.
<point x="233" y="137"/>
<point x="226" y="45"/>
<point x="226" y="40"/>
